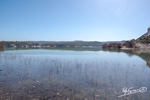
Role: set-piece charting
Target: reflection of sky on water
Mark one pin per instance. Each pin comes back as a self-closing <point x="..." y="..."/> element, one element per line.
<point x="102" y="55"/>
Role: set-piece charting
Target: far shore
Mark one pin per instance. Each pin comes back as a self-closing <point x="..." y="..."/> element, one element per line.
<point x="146" y="49"/>
<point x="127" y="48"/>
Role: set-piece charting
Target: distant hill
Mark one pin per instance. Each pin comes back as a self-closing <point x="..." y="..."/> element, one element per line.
<point x="66" y="43"/>
<point x="55" y="44"/>
<point x="75" y="43"/>
<point x="108" y="42"/>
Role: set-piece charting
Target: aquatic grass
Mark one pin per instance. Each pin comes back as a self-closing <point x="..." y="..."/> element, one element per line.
<point x="68" y="78"/>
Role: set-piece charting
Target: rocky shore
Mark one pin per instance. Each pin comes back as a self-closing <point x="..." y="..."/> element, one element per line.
<point x="1" y="45"/>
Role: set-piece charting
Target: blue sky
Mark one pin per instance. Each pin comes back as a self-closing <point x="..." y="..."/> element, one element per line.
<point x="69" y="20"/>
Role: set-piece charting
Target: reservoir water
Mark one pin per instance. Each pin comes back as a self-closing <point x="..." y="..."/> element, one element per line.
<point x="49" y="74"/>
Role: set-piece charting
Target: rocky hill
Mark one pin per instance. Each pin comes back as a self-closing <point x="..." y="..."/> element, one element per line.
<point x="145" y="39"/>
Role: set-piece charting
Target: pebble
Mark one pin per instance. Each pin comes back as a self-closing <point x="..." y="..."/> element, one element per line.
<point x="96" y="95"/>
<point x="85" y="99"/>
<point x="57" y="93"/>
<point x="33" y="86"/>
<point x="115" y="92"/>
<point x="37" y="81"/>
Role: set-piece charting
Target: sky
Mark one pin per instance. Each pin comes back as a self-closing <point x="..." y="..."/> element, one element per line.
<point x="69" y="20"/>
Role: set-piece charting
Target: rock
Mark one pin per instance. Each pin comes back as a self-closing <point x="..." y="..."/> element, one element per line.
<point x="37" y="81"/>
<point x="85" y="99"/>
<point x="67" y="99"/>
<point x="57" y="93"/>
<point x="148" y="30"/>
<point x="96" y="95"/>
<point x="33" y="86"/>
<point x="115" y="92"/>
<point x="146" y="34"/>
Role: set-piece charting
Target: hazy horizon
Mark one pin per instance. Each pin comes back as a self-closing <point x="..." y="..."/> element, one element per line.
<point x="61" y="41"/>
<point x="70" y="20"/>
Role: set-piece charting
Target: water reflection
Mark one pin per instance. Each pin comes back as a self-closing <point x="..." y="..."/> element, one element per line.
<point x="144" y="54"/>
<point x="97" y="77"/>
<point x="1" y="49"/>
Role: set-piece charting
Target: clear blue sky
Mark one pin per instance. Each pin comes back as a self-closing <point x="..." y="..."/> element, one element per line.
<point x="69" y="20"/>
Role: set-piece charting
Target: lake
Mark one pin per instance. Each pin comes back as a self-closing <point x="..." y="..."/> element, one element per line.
<point x="49" y="74"/>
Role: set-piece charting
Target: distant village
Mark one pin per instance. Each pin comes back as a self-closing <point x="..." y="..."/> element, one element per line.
<point x="23" y="46"/>
<point x="20" y="45"/>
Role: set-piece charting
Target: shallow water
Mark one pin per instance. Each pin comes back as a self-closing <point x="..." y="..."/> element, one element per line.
<point x="42" y="74"/>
